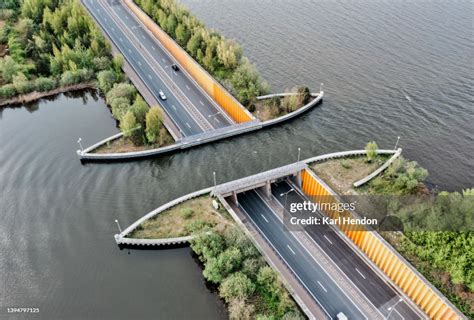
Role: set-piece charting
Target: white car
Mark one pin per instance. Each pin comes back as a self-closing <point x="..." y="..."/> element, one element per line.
<point x="162" y="95"/>
<point x="341" y="316"/>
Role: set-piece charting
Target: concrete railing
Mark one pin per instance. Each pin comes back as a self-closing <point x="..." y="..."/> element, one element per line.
<point x="194" y="140"/>
<point x="379" y="170"/>
<point x="341" y="154"/>
<point x="121" y="238"/>
<point x="296" y="113"/>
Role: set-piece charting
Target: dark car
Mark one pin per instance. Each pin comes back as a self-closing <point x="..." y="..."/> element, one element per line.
<point x="175" y="67"/>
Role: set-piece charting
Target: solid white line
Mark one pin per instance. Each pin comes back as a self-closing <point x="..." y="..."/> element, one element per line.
<point x="286" y="262"/>
<point x="202" y="103"/>
<point x="291" y="250"/>
<point x="395" y="309"/>
<point x="264" y="218"/>
<point x="188" y="125"/>
<point x="327" y="239"/>
<point x="360" y="273"/>
<point x="322" y="286"/>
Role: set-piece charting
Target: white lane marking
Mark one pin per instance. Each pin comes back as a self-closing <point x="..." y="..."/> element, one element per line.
<point x="188" y="125"/>
<point x="105" y="19"/>
<point x="143" y="36"/>
<point x="202" y="103"/>
<point x="149" y="76"/>
<point x="217" y="120"/>
<point x="129" y="51"/>
<point x="327" y="239"/>
<point x="126" y="17"/>
<point x="174" y="107"/>
<point x="360" y="273"/>
<point x="139" y="63"/>
<point x="113" y="29"/>
<point x="153" y="47"/>
<point x="175" y="73"/>
<point x="163" y="59"/>
<point x="264" y="218"/>
<point x="291" y="250"/>
<point x="187" y="87"/>
<point x="121" y="39"/>
<point x="322" y="286"/>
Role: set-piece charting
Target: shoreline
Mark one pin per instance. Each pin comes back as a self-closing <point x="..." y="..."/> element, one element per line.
<point x="37" y="95"/>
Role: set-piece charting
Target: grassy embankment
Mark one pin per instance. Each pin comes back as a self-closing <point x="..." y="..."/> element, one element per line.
<point x="53" y="46"/>
<point x="251" y="289"/>
<point x="445" y="258"/>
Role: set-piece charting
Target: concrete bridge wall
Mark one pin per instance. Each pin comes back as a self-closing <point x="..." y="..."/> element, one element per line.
<point x="381" y="253"/>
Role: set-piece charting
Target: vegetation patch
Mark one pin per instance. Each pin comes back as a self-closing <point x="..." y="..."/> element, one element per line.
<point x="275" y="107"/>
<point x="251" y="289"/>
<point x="181" y="219"/>
<point x="446" y="258"/>
<point x="49" y="46"/>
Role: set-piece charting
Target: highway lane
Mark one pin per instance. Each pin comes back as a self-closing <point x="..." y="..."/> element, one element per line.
<point x="183" y="120"/>
<point x="304" y="266"/>
<point x="200" y="101"/>
<point x="377" y="290"/>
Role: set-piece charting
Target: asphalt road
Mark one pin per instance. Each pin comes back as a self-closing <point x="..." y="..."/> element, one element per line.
<point x="147" y="71"/>
<point x="325" y="290"/>
<point x="200" y="101"/>
<point x="379" y="292"/>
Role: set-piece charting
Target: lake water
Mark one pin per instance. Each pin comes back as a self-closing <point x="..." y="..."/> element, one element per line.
<point x="389" y="68"/>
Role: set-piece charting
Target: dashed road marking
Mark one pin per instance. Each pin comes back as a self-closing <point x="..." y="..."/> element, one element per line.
<point x="175" y="73"/>
<point x="174" y="107"/>
<point x="143" y="36"/>
<point x="188" y="125"/>
<point x="163" y="59"/>
<point x="121" y="39"/>
<point x="153" y="47"/>
<point x="327" y="239"/>
<point x="129" y="51"/>
<point x="322" y="286"/>
<point x="113" y="29"/>
<point x="139" y="63"/>
<point x="202" y="103"/>
<point x="149" y="76"/>
<point x="264" y="218"/>
<point x="187" y="87"/>
<point x="360" y="273"/>
<point x="217" y="120"/>
<point x="291" y="249"/>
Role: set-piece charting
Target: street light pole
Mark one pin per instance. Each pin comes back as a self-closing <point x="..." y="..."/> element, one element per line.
<point x="299" y="153"/>
<point x="393" y="307"/>
<point x="286" y="196"/>
<point x="118" y="225"/>
<point x="215" y="181"/>
<point x="396" y="144"/>
<point x="80" y="144"/>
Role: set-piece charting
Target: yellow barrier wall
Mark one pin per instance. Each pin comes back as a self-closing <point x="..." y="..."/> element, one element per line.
<point x="233" y="108"/>
<point x="383" y="256"/>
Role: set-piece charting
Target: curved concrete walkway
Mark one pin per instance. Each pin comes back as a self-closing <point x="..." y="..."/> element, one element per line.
<point x="194" y="140"/>
<point x="122" y="238"/>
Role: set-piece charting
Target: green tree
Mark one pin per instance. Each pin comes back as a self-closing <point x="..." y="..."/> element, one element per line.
<point x="182" y="34"/>
<point x="239" y="309"/>
<point x="237" y="285"/>
<point x="304" y="95"/>
<point x="371" y="150"/>
<point x="107" y="79"/>
<point x="207" y="244"/>
<point x="9" y="68"/>
<point x="154" y="122"/>
<point x="129" y="125"/>
<point x="45" y="84"/>
<point x="217" y="268"/>
<point x="140" y="109"/>
<point x="119" y="106"/>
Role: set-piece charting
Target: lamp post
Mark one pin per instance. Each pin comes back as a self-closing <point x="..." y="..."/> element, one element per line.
<point x="396" y="144"/>
<point x="393" y="307"/>
<point x="118" y="225"/>
<point x="286" y="195"/>
<point x="299" y="154"/>
<point x="321" y="87"/>
<point x="80" y="144"/>
<point x="215" y="181"/>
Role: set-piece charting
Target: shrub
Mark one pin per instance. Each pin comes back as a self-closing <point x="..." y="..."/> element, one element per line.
<point x="371" y="149"/>
<point x="236" y="286"/>
<point x="186" y="213"/>
<point x="68" y="78"/>
<point x="128" y="124"/>
<point x="140" y="109"/>
<point x="154" y="122"/>
<point x="45" y="84"/>
<point x="22" y="84"/>
<point x="107" y="79"/>
<point x="122" y="90"/>
<point x="119" y="107"/>
<point x="7" y="91"/>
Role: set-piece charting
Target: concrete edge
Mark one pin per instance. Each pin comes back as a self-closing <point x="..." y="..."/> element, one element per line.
<point x="234" y="130"/>
<point x="379" y="170"/>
